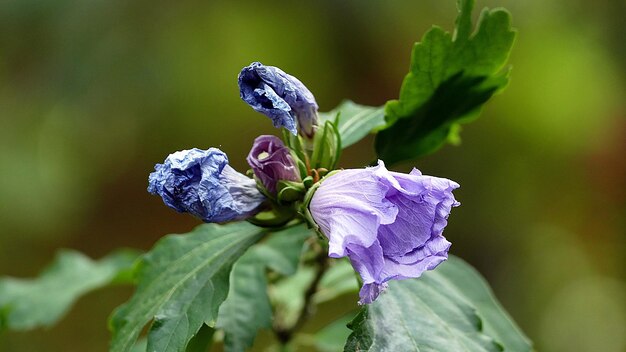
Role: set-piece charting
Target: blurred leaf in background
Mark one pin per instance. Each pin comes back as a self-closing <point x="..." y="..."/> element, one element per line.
<point x="93" y="94"/>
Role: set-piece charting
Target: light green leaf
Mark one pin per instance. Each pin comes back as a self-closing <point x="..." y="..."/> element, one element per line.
<point x="333" y="336"/>
<point x="355" y="121"/>
<point x="448" y="309"/>
<point x="30" y="303"/>
<point x="181" y="283"/>
<point x="288" y="294"/>
<point x="496" y="321"/>
<point x="340" y="279"/>
<point x="281" y="251"/>
<point x="450" y="78"/>
<point x="247" y="307"/>
<point x="140" y="346"/>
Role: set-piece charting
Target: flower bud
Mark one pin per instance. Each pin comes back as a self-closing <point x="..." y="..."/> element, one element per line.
<point x="327" y="147"/>
<point x="271" y="162"/>
<point x="201" y="182"/>
<point x="280" y="96"/>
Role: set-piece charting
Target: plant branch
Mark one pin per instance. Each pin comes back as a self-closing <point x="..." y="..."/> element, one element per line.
<point x="284" y="335"/>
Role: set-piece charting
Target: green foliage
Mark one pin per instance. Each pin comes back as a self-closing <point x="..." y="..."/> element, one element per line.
<point x="338" y="280"/>
<point x="30" y="303"/>
<point x="333" y="337"/>
<point x="355" y="121"/>
<point x="450" y="77"/>
<point x="327" y="149"/>
<point x="448" y="309"/>
<point x="247" y="307"/>
<point x="201" y="341"/>
<point x="288" y="294"/>
<point x="181" y="283"/>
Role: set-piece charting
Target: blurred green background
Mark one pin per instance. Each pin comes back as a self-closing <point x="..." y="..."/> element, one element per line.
<point x="94" y="93"/>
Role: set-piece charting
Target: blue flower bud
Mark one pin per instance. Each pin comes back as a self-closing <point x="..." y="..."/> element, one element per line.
<point x="201" y="182"/>
<point x="280" y="96"/>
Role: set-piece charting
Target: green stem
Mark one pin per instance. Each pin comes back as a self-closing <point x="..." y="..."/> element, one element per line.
<point x="284" y="335"/>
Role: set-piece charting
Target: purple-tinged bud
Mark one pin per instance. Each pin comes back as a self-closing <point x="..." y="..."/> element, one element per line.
<point x="280" y="96"/>
<point x="201" y="182"/>
<point x="271" y="162"/>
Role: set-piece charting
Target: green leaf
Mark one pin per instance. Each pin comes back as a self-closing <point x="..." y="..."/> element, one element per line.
<point x="447" y="309"/>
<point x="355" y="121"/>
<point x="496" y="321"/>
<point x="338" y="280"/>
<point x="181" y="283"/>
<point x="288" y="294"/>
<point x="201" y="341"/>
<point x="247" y="307"/>
<point x="333" y="336"/>
<point x="281" y="251"/>
<point x="450" y="78"/>
<point x="140" y="346"/>
<point x="30" y="303"/>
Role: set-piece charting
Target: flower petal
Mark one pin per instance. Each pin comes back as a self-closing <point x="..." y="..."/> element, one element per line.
<point x="202" y="183"/>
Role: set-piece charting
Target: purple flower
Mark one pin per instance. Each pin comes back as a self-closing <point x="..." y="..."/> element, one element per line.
<point x="280" y="96"/>
<point x="202" y="183"/>
<point x="389" y="224"/>
<point x="271" y="162"/>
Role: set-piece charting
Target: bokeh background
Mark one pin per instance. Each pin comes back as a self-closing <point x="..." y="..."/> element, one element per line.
<point x="94" y="93"/>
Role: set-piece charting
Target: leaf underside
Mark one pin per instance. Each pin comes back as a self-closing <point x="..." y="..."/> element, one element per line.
<point x="30" y="303"/>
<point x="355" y="121"/>
<point x="448" y="309"/>
<point x="450" y="78"/>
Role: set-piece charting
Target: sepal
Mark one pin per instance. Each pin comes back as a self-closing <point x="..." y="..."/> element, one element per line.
<point x="326" y="148"/>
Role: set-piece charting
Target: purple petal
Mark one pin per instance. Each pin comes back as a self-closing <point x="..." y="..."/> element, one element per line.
<point x="369" y="292"/>
<point x="389" y="224"/>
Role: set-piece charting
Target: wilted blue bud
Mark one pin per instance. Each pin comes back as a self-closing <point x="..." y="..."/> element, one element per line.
<point x="271" y="162"/>
<point x="280" y="96"/>
<point x="202" y="183"/>
<point x="389" y="224"/>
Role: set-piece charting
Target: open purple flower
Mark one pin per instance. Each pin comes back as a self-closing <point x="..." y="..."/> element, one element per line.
<point x="271" y="162"/>
<point x="202" y="183"/>
<point x="280" y="96"/>
<point x="389" y="224"/>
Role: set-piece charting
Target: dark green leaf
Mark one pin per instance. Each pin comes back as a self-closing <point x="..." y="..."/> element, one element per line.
<point x="355" y="121"/>
<point x="202" y="340"/>
<point x="181" y="283"/>
<point x="247" y="308"/>
<point x="450" y="78"/>
<point x="448" y="309"/>
<point x="30" y="303"/>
